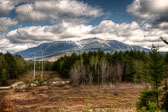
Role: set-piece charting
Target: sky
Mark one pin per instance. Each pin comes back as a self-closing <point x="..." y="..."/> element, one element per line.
<point x="29" y="23"/>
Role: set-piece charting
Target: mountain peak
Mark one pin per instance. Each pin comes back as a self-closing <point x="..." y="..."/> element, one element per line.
<point x="58" y="48"/>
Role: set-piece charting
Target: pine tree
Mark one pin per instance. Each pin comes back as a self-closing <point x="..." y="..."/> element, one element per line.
<point x="3" y="77"/>
<point x="12" y="68"/>
<point x="157" y="70"/>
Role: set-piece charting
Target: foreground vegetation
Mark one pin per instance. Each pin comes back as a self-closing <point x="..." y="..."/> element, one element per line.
<point x="82" y="98"/>
<point x="99" y="68"/>
<point x="130" y="66"/>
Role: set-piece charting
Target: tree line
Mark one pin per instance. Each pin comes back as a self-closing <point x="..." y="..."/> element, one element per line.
<point x="96" y="67"/>
<point x="11" y="67"/>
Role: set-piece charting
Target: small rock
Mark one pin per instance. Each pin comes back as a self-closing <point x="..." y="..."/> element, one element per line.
<point x="68" y="82"/>
<point x="44" y="84"/>
<point x="35" y="82"/>
<point x="63" y="82"/>
<point x="19" y="85"/>
<point x="33" y="85"/>
<point x="57" y="83"/>
<point x="43" y="88"/>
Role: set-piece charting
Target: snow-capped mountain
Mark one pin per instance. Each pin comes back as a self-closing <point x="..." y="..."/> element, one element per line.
<point x="67" y="47"/>
<point x="92" y="43"/>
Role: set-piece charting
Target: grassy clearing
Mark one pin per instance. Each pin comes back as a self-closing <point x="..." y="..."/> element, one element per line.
<point x="120" y="97"/>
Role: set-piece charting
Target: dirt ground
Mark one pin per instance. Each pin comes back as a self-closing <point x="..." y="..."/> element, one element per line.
<point x="119" y="97"/>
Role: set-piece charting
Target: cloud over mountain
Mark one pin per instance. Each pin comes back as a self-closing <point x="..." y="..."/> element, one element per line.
<point x="129" y="33"/>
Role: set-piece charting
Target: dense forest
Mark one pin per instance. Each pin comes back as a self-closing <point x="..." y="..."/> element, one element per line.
<point x="94" y="67"/>
<point x="98" y="67"/>
<point x="11" y="67"/>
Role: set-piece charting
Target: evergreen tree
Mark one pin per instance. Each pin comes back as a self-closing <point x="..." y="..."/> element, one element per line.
<point x="12" y="68"/>
<point x="165" y="102"/>
<point x="156" y="71"/>
<point x="131" y="74"/>
<point x="3" y="77"/>
<point x="157" y="68"/>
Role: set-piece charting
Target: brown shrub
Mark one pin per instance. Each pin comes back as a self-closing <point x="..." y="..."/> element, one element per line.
<point x="6" y="106"/>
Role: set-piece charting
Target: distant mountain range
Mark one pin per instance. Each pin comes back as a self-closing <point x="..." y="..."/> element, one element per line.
<point x="59" y="48"/>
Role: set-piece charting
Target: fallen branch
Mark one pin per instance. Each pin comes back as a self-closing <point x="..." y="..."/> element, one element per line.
<point x="5" y="88"/>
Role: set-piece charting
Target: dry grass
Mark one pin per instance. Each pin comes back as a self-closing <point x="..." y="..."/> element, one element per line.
<point x="28" y="77"/>
<point x="121" y="97"/>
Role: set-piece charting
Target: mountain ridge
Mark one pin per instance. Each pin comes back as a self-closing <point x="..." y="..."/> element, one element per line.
<point x="58" y="48"/>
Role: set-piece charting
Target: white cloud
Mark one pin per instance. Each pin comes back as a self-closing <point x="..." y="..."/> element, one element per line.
<point x="6" y="45"/>
<point x="6" y="23"/>
<point x="40" y="34"/>
<point x="57" y="10"/>
<point x="67" y="30"/>
<point x="33" y="34"/>
<point x="148" y="9"/>
<point x="7" y="5"/>
<point x="153" y="12"/>
<point x="131" y="33"/>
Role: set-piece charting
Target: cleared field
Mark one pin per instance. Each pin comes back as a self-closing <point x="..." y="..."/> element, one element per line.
<point x="119" y="97"/>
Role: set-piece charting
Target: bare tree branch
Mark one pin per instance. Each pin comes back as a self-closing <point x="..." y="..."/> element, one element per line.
<point x="165" y="41"/>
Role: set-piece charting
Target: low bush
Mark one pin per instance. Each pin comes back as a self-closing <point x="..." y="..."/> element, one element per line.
<point x="146" y="98"/>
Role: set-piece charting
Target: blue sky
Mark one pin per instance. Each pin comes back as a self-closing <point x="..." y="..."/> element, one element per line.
<point x="115" y="8"/>
<point x="28" y="23"/>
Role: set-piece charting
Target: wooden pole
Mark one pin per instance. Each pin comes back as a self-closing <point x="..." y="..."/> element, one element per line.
<point x="34" y="76"/>
<point x="42" y="67"/>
